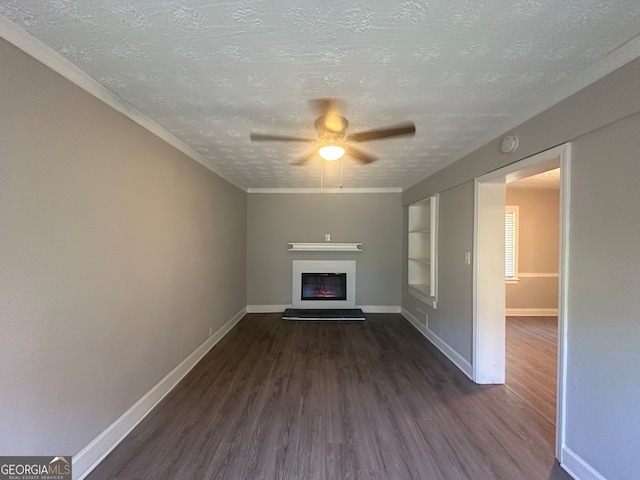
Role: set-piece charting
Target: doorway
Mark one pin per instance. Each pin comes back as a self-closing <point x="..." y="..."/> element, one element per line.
<point x="531" y="276"/>
<point x="489" y="346"/>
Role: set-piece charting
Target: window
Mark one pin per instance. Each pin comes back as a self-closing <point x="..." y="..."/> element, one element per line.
<point x="511" y="243"/>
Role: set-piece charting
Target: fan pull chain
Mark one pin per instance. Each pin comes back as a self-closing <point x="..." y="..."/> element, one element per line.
<point x="322" y="175"/>
<point x="341" y="172"/>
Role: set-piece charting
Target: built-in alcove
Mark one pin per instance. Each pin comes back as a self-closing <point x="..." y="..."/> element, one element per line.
<point x="422" y="250"/>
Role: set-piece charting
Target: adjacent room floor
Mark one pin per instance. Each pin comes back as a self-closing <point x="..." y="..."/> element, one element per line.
<point x="532" y="362"/>
<point x="370" y="399"/>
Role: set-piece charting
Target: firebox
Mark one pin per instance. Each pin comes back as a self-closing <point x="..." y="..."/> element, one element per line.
<point x="324" y="286"/>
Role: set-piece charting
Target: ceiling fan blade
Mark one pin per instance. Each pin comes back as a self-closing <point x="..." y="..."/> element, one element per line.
<point x="263" y="137"/>
<point x="359" y="155"/>
<point x="401" y="130"/>
<point x="305" y="159"/>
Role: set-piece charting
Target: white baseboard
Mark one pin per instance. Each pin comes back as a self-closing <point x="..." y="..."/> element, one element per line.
<point x="531" y="312"/>
<point x="282" y="308"/>
<point x="440" y="344"/>
<point x="267" y="308"/>
<point x="91" y="455"/>
<point x="577" y="467"/>
<point x="379" y="308"/>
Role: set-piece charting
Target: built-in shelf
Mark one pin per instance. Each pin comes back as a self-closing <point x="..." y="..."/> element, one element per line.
<point x="325" y="247"/>
<point x="422" y="250"/>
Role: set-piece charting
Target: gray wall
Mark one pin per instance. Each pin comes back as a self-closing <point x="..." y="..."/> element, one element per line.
<point x="117" y="253"/>
<point x="450" y="321"/>
<point x="375" y="219"/>
<point x="603" y="394"/>
<point x="603" y="385"/>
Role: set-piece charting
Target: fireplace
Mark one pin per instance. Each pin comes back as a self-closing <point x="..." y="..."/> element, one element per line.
<point x="323" y="284"/>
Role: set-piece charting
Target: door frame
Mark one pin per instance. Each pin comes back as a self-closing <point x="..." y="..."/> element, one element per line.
<point x="488" y="271"/>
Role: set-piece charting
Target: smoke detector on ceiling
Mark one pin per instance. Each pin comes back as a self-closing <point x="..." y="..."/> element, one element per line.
<point x="509" y="144"/>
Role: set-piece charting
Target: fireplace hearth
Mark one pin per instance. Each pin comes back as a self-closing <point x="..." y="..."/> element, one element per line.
<point x="323" y="314"/>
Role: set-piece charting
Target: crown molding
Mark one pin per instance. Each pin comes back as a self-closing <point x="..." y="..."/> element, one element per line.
<point x="19" y="37"/>
<point x="326" y="190"/>
<point x="29" y="44"/>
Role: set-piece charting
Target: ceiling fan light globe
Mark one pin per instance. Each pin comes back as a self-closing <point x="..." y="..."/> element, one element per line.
<point x="331" y="152"/>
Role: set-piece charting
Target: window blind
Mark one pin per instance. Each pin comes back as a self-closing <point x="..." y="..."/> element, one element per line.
<point x="510" y="243"/>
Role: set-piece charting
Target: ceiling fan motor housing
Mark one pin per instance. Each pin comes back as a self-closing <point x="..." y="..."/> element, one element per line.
<point x="331" y="127"/>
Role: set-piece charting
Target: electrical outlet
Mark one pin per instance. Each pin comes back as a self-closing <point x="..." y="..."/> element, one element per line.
<point x="210" y="331"/>
<point x="327" y="237"/>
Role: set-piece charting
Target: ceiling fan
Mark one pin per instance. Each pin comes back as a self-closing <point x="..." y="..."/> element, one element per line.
<point x="333" y="140"/>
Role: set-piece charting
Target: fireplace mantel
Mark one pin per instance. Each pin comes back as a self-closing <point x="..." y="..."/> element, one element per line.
<point x="325" y="247"/>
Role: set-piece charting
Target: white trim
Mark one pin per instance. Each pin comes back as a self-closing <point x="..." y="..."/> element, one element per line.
<point x="535" y="164"/>
<point x="488" y="304"/>
<point x="326" y="190"/>
<point x="563" y="295"/>
<point x="457" y="359"/>
<point x="531" y="312"/>
<point x="325" y="247"/>
<point x="423" y="297"/>
<point x="29" y="44"/>
<point x="267" y="308"/>
<point x="538" y="275"/>
<point x="91" y="455"/>
<point x="380" y="308"/>
<point x="516" y="280"/>
<point x="577" y="467"/>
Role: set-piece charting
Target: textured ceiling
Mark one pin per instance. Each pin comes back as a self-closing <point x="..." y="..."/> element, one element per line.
<point x="547" y="180"/>
<point x="211" y="72"/>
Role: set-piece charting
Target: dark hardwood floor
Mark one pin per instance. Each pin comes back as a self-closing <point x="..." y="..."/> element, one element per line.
<point x="531" y="371"/>
<point x="334" y="400"/>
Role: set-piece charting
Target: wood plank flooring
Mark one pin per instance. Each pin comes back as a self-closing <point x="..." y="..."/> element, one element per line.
<point x="321" y="400"/>
<point x="531" y="371"/>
